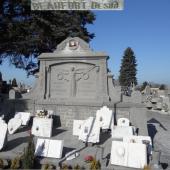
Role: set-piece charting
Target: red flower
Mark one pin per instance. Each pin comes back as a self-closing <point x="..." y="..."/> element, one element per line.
<point x="88" y="158"/>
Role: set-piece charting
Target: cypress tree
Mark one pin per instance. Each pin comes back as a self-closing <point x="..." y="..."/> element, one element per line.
<point x="128" y="69"/>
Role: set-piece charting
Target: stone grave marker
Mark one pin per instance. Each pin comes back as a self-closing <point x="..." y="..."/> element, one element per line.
<point x="132" y="155"/>
<point x="77" y="127"/>
<point x="3" y="134"/>
<point x="24" y="116"/>
<point x="118" y="132"/>
<point x="105" y="117"/>
<point x="140" y="139"/>
<point x="42" y="127"/>
<point x="13" y="125"/>
<point x="123" y="122"/>
<point x="49" y="148"/>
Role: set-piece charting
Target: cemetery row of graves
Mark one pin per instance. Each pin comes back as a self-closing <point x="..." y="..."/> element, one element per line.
<point x="128" y="149"/>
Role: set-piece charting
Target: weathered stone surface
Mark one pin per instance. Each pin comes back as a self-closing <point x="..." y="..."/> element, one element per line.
<point x="13" y="125"/>
<point x="3" y="134"/>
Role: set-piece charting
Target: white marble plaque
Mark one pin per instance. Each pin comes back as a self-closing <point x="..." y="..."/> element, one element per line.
<point x="118" y="132"/>
<point x="42" y="127"/>
<point x="49" y="148"/>
<point x="123" y="122"/>
<point x="3" y="134"/>
<point x="140" y="139"/>
<point x="77" y="127"/>
<point x="13" y="125"/>
<point x="105" y="117"/>
<point x="132" y="155"/>
<point x="24" y="116"/>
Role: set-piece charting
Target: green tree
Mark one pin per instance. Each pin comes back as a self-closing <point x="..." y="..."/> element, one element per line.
<point x="145" y="83"/>
<point x="128" y="68"/>
<point x="25" y="33"/>
<point x="14" y="83"/>
<point x="162" y="87"/>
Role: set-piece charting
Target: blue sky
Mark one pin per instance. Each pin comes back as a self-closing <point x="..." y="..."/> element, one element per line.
<point x="143" y="25"/>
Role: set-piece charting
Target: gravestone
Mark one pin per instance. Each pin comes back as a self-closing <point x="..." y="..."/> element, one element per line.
<point x="13" y="125"/>
<point x="105" y="117"/>
<point x="77" y="127"/>
<point x="133" y="155"/>
<point x="24" y="116"/>
<point x="3" y="134"/>
<point x="118" y="132"/>
<point x="42" y="127"/>
<point x="49" y="148"/>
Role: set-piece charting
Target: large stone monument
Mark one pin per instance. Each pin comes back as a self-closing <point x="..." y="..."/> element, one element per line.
<point x="73" y="72"/>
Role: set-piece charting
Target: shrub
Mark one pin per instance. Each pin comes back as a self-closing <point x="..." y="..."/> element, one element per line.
<point x="48" y="167"/>
<point x="1" y="164"/>
<point x="64" y="167"/>
<point x="16" y="163"/>
<point x="76" y="167"/>
<point x="28" y="156"/>
<point x="95" y="165"/>
<point x="147" y="167"/>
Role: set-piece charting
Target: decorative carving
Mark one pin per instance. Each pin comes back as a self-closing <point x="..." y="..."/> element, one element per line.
<point x="73" y="75"/>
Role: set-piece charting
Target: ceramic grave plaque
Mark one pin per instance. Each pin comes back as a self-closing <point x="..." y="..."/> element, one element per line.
<point x="24" y="116"/>
<point x="105" y="117"/>
<point x="42" y="127"/>
<point x="3" y="134"/>
<point x="123" y="122"/>
<point x="49" y="148"/>
<point x="118" y="132"/>
<point x="77" y="127"/>
<point x="132" y="155"/>
<point x="13" y="125"/>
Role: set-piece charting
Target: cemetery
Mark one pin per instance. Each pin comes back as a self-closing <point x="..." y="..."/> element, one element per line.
<point x="76" y="118"/>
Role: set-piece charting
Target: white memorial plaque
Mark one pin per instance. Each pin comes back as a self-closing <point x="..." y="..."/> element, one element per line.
<point x="86" y="129"/>
<point x="137" y="155"/>
<point x="3" y="134"/>
<point x="42" y="127"/>
<point x="13" y="125"/>
<point x="123" y="122"/>
<point x="49" y="148"/>
<point x="140" y="139"/>
<point x="24" y="116"/>
<point x="132" y="155"/>
<point x="118" y="132"/>
<point x="77" y="127"/>
<point x="105" y="117"/>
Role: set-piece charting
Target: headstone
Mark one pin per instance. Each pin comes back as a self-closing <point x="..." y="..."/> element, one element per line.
<point x="49" y="148"/>
<point x="13" y="125"/>
<point x="12" y="94"/>
<point x="105" y="117"/>
<point x="42" y="127"/>
<point x="90" y="131"/>
<point x="77" y="127"/>
<point x="148" y="90"/>
<point x="140" y="139"/>
<point x="118" y="132"/>
<point x="131" y="155"/>
<point x="3" y="134"/>
<point x="24" y="116"/>
<point x="123" y="122"/>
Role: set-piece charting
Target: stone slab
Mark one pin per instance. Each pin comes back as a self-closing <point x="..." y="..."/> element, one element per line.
<point x="3" y="134"/>
<point x="42" y="127"/>
<point x="49" y="148"/>
<point x="77" y="127"/>
<point x="123" y="122"/>
<point x="13" y="125"/>
<point x="24" y="116"/>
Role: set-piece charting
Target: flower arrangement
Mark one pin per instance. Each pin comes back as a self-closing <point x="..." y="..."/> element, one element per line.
<point x="42" y="113"/>
<point x="88" y="158"/>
